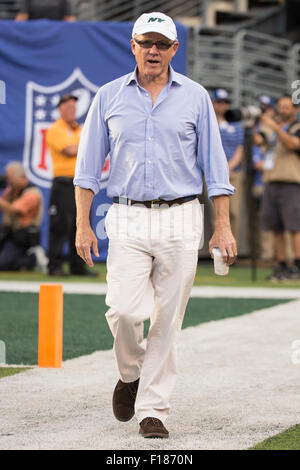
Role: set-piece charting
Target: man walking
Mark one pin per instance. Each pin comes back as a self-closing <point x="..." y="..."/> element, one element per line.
<point x="161" y="132"/>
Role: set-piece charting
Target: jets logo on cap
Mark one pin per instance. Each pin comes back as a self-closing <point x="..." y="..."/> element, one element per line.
<point x="160" y="20"/>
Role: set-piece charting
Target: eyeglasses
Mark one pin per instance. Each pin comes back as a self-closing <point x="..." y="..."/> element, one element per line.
<point x="161" y="45"/>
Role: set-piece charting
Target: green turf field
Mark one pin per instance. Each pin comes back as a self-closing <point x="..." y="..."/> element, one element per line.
<point x="239" y="276"/>
<point x="287" y="440"/>
<point x="85" y="326"/>
<point x="6" y="371"/>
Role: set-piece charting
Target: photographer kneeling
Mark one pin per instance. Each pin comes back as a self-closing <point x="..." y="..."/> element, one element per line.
<point x="22" y="208"/>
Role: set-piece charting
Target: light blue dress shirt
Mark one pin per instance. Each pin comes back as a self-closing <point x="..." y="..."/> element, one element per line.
<point x="155" y="151"/>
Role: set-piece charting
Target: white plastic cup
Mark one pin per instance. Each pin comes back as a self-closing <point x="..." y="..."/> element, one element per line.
<point x="220" y="267"/>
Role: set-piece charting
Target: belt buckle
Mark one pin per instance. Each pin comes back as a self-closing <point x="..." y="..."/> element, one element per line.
<point x="124" y="200"/>
<point x="154" y="204"/>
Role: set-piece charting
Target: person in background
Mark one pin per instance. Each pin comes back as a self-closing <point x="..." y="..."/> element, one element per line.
<point x="265" y="239"/>
<point x="62" y="139"/>
<point x="281" y="198"/>
<point x="22" y="207"/>
<point x="48" y="9"/>
<point x="267" y="105"/>
<point x="232" y="135"/>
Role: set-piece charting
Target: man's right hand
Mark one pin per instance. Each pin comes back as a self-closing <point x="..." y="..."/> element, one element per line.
<point x="85" y="239"/>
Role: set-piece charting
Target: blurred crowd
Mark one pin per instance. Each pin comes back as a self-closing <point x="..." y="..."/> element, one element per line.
<point x="274" y="153"/>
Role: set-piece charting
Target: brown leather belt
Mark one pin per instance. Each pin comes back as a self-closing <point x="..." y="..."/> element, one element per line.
<point x="155" y="203"/>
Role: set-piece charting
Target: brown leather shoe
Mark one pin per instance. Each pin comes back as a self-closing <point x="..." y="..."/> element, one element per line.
<point x="153" y="427"/>
<point x="124" y="399"/>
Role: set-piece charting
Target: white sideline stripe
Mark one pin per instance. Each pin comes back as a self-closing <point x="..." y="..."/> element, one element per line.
<point x="246" y="292"/>
<point x="197" y="291"/>
<point x="68" y="287"/>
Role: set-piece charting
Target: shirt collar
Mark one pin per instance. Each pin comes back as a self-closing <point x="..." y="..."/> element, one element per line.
<point x="132" y="77"/>
<point x="173" y="78"/>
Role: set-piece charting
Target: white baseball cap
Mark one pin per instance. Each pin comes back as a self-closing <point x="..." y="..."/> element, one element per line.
<point x="155" y="22"/>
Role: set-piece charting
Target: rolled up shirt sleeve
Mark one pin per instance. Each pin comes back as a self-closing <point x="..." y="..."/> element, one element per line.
<point x="211" y="156"/>
<point x="93" y="147"/>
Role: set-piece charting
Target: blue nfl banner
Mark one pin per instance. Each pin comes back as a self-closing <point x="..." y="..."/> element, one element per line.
<point x="39" y="62"/>
<point x="41" y="111"/>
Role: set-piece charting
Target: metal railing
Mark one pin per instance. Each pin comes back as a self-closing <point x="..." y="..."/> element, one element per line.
<point x="261" y="66"/>
<point x="129" y="10"/>
<point x="211" y="58"/>
<point x="294" y="70"/>
<point x="8" y="9"/>
<point x="247" y="63"/>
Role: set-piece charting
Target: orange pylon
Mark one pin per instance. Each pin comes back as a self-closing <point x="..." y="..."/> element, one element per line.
<point x="50" y="346"/>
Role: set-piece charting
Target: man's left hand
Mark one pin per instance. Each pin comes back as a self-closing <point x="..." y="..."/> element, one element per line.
<point x="225" y="241"/>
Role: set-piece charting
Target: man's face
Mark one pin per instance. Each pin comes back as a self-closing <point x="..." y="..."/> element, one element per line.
<point x="220" y="107"/>
<point x="68" y="110"/>
<point x="286" y="110"/>
<point x="152" y="62"/>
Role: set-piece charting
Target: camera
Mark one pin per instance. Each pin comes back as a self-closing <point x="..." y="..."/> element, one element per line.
<point x="249" y="114"/>
<point x="3" y="182"/>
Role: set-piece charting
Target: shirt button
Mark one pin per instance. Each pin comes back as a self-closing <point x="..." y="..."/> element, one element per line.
<point x="148" y="185"/>
<point x="149" y="161"/>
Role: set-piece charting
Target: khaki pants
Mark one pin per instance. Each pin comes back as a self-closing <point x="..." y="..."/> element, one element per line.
<point x="151" y="265"/>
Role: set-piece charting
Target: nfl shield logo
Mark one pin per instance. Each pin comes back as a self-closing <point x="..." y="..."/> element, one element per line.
<point x="41" y="112"/>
